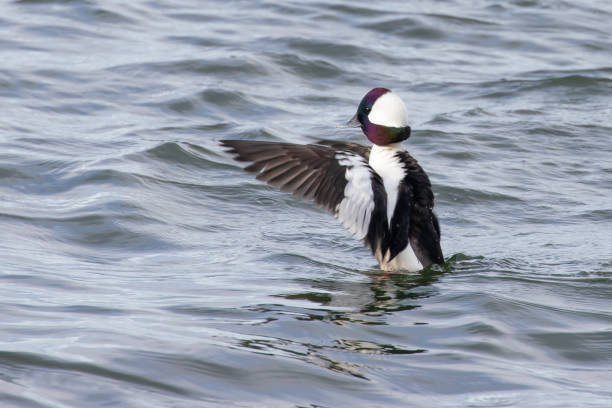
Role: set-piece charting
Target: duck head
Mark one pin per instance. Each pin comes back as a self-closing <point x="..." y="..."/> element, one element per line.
<point x="382" y="117"/>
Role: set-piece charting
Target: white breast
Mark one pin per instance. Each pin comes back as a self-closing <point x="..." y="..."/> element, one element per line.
<point x="390" y="169"/>
<point x="404" y="261"/>
<point x="384" y="161"/>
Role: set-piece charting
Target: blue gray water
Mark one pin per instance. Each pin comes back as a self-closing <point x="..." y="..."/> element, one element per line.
<point x="141" y="267"/>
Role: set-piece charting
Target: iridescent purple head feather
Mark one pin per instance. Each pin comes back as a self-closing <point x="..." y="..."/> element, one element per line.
<point x="382" y="117"/>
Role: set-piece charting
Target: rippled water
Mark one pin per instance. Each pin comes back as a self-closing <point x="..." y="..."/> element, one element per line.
<point x="142" y="268"/>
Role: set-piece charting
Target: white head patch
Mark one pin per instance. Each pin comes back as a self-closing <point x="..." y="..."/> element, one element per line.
<point x="389" y="110"/>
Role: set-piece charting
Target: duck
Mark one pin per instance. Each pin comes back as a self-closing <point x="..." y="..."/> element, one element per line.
<point x="379" y="193"/>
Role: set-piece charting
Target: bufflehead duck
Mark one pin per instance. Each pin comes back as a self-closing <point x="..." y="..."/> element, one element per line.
<point x="378" y="193"/>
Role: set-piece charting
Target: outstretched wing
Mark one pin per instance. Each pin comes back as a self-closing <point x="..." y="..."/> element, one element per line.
<point x="361" y="150"/>
<point x="335" y="175"/>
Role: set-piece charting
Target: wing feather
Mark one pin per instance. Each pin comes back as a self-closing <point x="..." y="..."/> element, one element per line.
<point x="417" y="223"/>
<point x="336" y="175"/>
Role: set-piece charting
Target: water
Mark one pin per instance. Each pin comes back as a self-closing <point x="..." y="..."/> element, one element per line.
<point x="142" y="268"/>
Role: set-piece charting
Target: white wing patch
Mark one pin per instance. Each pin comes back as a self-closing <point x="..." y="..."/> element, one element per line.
<point x="355" y="209"/>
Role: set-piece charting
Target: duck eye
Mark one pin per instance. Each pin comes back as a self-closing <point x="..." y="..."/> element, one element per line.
<point x="367" y="110"/>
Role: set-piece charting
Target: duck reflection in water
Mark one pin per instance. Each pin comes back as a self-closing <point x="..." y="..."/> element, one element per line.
<point x="367" y="302"/>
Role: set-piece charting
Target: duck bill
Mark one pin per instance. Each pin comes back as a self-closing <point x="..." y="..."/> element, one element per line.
<point x="354" y="122"/>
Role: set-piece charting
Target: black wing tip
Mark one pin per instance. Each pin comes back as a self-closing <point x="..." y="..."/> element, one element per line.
<point x="439" y="257"/>
<point x="240" y="148"/>
<point x="233" y="143"/>
<point x="229" y="144"/>
<point x="231" y="148"/>
<point x="236" y="143"/>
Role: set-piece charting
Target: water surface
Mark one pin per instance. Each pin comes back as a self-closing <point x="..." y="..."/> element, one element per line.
<point x="142" y="268"/>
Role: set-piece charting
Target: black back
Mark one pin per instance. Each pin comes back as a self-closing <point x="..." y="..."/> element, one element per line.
<point x="414" y="220"/>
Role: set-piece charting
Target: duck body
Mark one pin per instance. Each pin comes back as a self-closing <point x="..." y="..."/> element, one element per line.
<point x="379" y="193"/>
